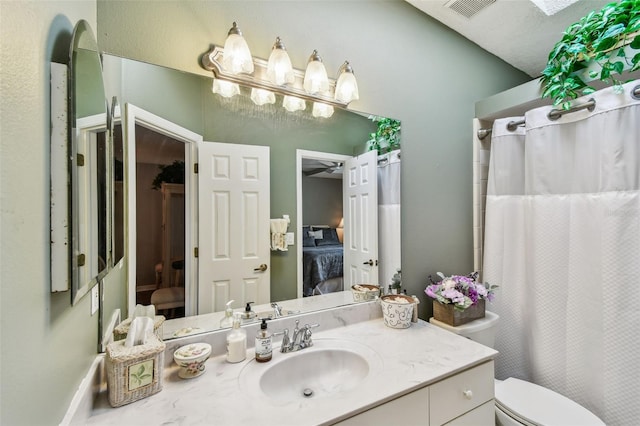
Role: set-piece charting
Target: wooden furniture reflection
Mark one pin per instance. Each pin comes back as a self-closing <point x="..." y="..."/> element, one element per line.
<point x="170" y="272"/>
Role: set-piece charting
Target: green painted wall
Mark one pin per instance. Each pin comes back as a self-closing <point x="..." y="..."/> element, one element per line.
<point x="46" y="345"/>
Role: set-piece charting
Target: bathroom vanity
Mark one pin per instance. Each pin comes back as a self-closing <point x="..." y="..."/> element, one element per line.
<point x="362" y="373"/>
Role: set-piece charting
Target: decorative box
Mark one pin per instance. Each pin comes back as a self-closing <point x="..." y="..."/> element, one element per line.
<point x="122" y="329"/>
<point x="447" y="314"/>
<point x="134" y="372"/>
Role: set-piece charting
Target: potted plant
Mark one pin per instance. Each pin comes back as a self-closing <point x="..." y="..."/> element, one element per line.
<point x="170" y="173"/>
<point x="609" y="38"/>
<point x="459" y="299"/>
<point x="387" y="137"/>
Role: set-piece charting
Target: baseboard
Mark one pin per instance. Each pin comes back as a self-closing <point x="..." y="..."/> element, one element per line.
<point x="81" y="405"/>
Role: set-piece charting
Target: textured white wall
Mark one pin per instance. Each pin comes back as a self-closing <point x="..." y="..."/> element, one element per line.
<point x="46" y="345"/>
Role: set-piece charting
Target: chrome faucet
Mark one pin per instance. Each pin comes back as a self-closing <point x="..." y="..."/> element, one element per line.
<point x="300" y="339"/>
<point x="277" y="310"/>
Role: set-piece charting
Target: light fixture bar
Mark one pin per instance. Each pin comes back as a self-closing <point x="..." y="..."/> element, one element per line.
<point x="212" y="61"/>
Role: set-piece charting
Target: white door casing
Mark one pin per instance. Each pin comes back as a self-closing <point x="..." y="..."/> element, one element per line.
<point x="135" y="115"/>
<point x="360" y="189"/>
<point x="234" y="206"/>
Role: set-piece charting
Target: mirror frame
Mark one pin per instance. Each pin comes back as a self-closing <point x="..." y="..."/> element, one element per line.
<point x="83" y="192"/>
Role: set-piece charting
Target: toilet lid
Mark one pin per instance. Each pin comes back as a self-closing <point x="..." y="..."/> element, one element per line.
<point x="541" y="406"/>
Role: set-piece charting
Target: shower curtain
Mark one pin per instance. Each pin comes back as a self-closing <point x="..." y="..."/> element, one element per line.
<point x="388" y="216"/>
<point x="562" y="240"/>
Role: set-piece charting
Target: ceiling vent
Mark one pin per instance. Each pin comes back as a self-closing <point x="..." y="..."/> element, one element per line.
<point x="468" y="8"/>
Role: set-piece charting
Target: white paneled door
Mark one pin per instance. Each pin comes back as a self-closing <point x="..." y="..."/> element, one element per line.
<point x="360" y="188"/>
<point x="234" y="205"/>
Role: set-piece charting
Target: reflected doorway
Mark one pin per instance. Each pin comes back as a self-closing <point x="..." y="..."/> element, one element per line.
<point x="160" y="222"/>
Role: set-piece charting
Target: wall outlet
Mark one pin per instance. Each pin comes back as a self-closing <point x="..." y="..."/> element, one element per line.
<point x="289" y="238"/>
<point x="95" y="299"/>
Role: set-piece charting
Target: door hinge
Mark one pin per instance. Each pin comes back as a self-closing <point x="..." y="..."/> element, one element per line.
<point x="80" y="160"/>
<point x="195" y="252"/>
<point x="81" y="259"/>
<point x="195" y="168"/>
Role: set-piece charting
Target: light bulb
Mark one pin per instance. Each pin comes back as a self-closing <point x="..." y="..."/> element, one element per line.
<point x="346" y="86"/>
<point x="322" y="110"/>
<point x="315" y="77"/>
<point x="236" y="58"/>
<point x="279" y="68"/>
<point x="293" y="104"/>
<point x="261" y="97"/>
<point x="225" y="88"/>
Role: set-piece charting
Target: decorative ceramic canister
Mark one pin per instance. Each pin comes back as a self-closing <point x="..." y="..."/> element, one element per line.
<point x="191" y="359"/>
<point x="397" y="310"/>
<point x="365" y="292"/>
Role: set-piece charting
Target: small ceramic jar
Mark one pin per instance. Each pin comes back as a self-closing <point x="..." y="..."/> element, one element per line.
<point x="191" y="359"/>
<point x="364" y="292"/>
<point x="397" y="310"/>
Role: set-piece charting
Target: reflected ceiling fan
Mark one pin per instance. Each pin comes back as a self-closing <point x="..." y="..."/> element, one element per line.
<point x="328" y="167"/>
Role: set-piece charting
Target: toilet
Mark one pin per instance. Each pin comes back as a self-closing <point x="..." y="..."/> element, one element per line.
<point x="519" y="402"/>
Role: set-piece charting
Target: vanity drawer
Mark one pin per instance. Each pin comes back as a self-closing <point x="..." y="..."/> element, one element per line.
<point x="463" y="392"/>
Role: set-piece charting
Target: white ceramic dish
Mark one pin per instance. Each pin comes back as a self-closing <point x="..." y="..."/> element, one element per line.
<point x="191" y="359"/>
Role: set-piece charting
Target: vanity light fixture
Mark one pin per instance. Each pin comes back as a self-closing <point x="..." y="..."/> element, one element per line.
<point x="262" y="96"/>
<point x="226" y="89"/>
<point x="315" y="78"/>
<point x="277" y="76"/>
<point x="293" y="103"/>
<point x="279" y="68"/>
<point x="237" y="58"/>
<point x="347" y="86"/>
<point x="322" y="110"/>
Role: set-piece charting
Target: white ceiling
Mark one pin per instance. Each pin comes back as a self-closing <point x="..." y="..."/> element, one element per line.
<point x="514" y="30"/>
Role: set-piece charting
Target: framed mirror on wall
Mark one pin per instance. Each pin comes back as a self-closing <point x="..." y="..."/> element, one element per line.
<point x="186" y="100"/>
<point x="81" y="171"/>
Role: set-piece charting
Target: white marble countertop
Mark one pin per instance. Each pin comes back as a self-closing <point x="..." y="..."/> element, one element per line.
<point x="411" y="358"/>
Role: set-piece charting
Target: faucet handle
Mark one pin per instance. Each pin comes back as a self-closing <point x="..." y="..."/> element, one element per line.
<point x="285" y="346"/>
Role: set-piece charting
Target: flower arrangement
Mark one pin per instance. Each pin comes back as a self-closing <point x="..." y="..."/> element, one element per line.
<point x="461" y="291"/>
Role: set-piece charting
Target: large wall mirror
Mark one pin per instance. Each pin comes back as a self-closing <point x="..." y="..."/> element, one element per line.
<point x="171" y="109"/>
<point x="87" y="249"/>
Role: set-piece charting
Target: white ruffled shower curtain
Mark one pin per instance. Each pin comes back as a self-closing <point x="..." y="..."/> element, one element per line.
<point x="562" y="239"/>
<point x="389" y="166"/>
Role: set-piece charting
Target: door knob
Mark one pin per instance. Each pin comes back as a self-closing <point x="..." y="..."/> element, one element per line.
<point x="370" y="262"/>
<point x="261" y="268"/>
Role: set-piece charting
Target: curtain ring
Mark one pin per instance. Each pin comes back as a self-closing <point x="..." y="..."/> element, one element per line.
<point x="635" y="93"/>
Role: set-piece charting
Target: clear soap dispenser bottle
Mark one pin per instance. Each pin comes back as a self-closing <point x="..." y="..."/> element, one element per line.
<point x="227" y="321"/>
<point x="236" y="341"/>
<point x="263" y="343"/>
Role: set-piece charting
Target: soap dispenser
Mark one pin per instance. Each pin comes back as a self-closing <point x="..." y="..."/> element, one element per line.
<point x="236" y="341"/>
<point x="248" y="314"/>
<point x="227" y="321"/>
<point x="263" y="343"/>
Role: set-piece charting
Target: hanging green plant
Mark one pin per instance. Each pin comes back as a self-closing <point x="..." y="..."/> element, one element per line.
<point x="387" y="137"/>
<point x="609" y="37"/>
<point x="170" y="173"/>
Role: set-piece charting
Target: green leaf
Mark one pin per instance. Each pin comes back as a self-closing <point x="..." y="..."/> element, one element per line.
<point x="618" y="67"/>
<point x="635" y="44"/>
<point x="588" y="90"/>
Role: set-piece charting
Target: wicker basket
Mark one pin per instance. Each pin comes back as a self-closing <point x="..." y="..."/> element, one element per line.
<point x="451" y="316"/>
<point x="122" y="329"/>
<point x="135" y="372"/>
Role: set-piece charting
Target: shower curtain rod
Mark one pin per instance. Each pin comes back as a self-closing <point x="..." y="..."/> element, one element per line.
<point x="554" y="114"/>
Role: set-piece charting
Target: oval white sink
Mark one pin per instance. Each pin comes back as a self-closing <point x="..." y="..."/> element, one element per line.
<point x="331" y="367"/>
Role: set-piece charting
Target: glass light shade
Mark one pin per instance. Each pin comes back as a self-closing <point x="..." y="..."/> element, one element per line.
<point x="261" y="97"/>
<point x="225" y="88"/>
<point x="315" y="77"/>
<point x="346" y="86"/>
<point x="236" y="58"/>
<point x="279" y="68"/>
<point x="293" y="104"/>
<point x="322" y="110"/>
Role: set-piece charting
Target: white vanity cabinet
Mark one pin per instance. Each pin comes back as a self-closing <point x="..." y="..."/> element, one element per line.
<point x="463" y="399"/>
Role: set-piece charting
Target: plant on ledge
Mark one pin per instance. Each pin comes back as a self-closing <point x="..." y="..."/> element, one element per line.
<point x="601" y="37"/>
<point x="170" y="173"/>
<point x="459" y="290"/>
<point x="387" y="137"/>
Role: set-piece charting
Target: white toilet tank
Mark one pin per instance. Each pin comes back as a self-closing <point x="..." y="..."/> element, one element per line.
<point x="482" y="330"/>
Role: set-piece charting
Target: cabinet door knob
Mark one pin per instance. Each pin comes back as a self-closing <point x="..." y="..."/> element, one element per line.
<point x="468" y="394"/>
